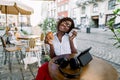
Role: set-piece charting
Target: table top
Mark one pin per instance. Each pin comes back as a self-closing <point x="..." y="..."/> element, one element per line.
<point x="26" y="37"/>
<point x="97" y="69"/>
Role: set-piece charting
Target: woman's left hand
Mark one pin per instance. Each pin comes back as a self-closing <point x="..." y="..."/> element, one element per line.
<point x="74" y="34"/>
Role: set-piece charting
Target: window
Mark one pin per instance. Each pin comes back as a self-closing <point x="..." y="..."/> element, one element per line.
<point x="58" y="9"/>
<point x="111" y="4"/>
<point x="95" y="8"/>
<point x="62" y="8"/>
<point x="0" y="17"/>
<point x="74" y="13"/>
<point x="58" y="0"/>
<point x="66" y="7"/>
<point x="108" y="17"/>
<point x="83" y="21"/>
<point x="83" y="10"/>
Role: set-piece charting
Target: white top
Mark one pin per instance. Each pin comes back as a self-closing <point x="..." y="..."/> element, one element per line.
<point x="12" y="37"/>
<point x="63" y="47"/>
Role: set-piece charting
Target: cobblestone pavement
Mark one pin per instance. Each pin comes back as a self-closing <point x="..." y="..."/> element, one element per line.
<point x="102" y="45"/>
<point x="16" y="73"/>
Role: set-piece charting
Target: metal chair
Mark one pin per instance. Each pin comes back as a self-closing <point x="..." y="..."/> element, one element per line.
<point x="40" y="43"/>
<point x="32" y="55"/>
<point x="9" y="50"/>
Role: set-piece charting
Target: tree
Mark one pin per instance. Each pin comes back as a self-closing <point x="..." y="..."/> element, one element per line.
<point x="49" y="24"/>
<point x="111" y="23"/>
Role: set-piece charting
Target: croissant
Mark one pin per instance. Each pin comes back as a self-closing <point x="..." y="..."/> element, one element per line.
<point x="50" y="35"/>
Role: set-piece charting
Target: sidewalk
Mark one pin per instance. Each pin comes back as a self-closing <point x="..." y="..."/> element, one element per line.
<point x="101" y="42"/>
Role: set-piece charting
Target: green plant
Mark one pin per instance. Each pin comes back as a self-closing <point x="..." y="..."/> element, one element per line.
<point x="111" y="23"/>
<point x="24" y="32"/>
<point x="2" y="28"/>
<point x="48" y="24"/>
<point x="45" y="58"/>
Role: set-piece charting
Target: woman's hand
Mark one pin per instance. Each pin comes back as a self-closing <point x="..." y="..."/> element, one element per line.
<point x="48" y="40"/>
<point x="49" y="37"/>
<point x="74" y="34"/>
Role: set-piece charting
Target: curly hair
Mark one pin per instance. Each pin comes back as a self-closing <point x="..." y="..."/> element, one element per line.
<point x="64" y="20"/>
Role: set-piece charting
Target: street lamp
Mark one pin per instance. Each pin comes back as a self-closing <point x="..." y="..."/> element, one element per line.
<point x="87" y="24"/>
<point x="101" y="14"/>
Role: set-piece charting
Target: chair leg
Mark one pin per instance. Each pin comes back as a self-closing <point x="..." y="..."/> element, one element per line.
<point x="31" y="71"/>
<point x="38" y="54"/>
<point x="20" y="66"/>
<point x="5" y="57"/>
<point x="9" y="61"/>
<point x="21" y="56"/>
<point x="2" y="57"/>
<point x="25" y="66"/>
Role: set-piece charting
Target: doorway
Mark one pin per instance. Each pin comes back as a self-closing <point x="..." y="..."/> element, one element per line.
<point x="95" y="19"/>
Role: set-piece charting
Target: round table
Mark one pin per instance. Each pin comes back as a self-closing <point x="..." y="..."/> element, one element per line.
<point x="27" y="37"/>
<point x="97" y="69"/>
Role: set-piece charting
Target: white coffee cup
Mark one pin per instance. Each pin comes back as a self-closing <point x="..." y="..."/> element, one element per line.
<point x="71" y="32"/>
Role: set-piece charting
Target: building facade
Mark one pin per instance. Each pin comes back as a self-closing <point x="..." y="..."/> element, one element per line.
<point x="94" y="13"/>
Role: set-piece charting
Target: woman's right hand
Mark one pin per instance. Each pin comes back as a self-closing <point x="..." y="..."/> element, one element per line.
<point x="48" y="40"/>
<point x="49" y="37"/>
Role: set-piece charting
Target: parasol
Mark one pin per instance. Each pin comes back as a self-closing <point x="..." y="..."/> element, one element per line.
<point x="14" y="7"/>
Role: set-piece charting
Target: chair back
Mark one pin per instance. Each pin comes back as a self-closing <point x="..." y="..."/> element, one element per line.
<point x="3" y="42"/>
<point x="32" y="43"/>
<point x="42" y="37"/>
<point x="17" y="34"/>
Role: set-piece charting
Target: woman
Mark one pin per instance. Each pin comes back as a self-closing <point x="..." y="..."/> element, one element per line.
<point x="61" y="44"/>
<point x="6" y="35"/>
<point x="9" y="35"/>
<point x="17" y="34"/>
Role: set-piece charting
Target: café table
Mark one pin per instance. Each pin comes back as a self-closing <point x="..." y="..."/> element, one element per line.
<point x="27" y="37"/>
<point x="97" y="69"/>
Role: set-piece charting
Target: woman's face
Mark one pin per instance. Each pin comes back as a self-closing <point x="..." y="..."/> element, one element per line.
<point x="65" y="26"/>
